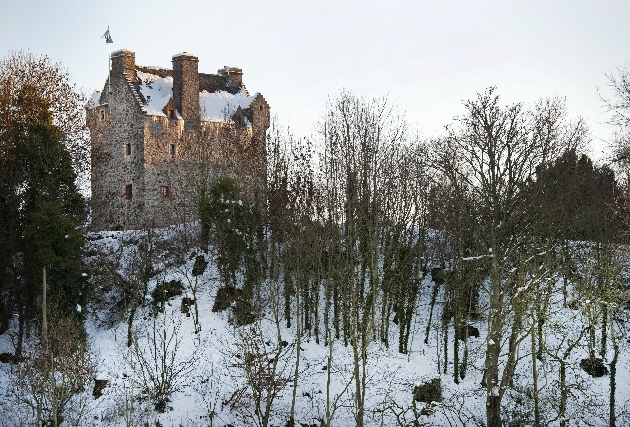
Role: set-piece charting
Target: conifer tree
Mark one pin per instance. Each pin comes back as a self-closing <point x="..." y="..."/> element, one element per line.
<point x="41" y="206"/>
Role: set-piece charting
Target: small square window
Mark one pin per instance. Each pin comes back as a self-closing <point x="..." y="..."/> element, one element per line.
<point x="171" y="149"/>
<point x="128" y="149"/>
<point x="166" y="192"/>
<point x="128" y="193"/>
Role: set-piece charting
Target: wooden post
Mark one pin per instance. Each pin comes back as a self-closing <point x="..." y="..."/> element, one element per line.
<point x="44" y="318"/>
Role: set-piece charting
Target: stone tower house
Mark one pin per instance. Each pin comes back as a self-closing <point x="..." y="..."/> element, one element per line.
<point x="159" y="134"/>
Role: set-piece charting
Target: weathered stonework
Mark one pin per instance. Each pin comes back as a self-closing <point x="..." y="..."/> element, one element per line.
<point x="150" y="154"/>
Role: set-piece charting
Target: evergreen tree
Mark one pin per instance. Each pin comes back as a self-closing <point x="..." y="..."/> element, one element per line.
<point x="580" y="200"/>
<point x="41" y="202"/>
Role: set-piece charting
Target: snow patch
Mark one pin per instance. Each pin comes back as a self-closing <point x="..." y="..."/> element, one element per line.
<point x="220" y="106"/>
<point x="156" y="91"/>
<point x="95" y="99"/>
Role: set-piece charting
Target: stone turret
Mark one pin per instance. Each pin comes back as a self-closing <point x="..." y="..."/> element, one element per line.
<point x="186" y="85"/>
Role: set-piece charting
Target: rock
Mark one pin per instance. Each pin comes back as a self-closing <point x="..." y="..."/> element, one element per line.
<point x="594" y="367"/>
<point x="430" y="391"/>
<point x="99" y="385"/>
<point x="472" y="332"/>
<point x="10" y="358"/>
<point x="226" y="295"/>
<point x="186" y="303"/>
<point x="200" y="265"/>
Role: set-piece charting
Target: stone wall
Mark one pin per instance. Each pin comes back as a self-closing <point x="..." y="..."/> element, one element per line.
<point x="112" y="167"/>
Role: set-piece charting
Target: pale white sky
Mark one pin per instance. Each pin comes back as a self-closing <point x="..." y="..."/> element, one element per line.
<point x="426" y="56"/>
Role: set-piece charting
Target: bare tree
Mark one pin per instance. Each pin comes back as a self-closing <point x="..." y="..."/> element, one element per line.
<point x="159" y="361"/>
<point x="22" y="69"/>
<point x="265" y="369"/>
<point x="494" y="151"/>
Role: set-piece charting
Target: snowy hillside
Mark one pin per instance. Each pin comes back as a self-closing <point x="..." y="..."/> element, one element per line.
<point x="216" y="372"/>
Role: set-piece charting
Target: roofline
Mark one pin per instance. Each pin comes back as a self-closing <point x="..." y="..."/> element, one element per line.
<point x="120" y="52"/>
<point x="187" y="54"/>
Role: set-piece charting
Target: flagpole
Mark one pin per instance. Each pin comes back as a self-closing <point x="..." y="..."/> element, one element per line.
<point x="109" y="66"/>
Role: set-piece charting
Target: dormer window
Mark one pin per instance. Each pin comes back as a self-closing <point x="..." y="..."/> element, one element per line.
<point x="128" y="149"/>
<point x="171" y="150"/>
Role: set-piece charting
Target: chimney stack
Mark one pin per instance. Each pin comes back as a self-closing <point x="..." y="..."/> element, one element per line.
<point x="234" y="75"/>
<point x="186" y="85"/>
<point x="124" y="61"/>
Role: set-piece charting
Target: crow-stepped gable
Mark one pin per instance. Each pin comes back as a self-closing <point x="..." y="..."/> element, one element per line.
<point x="157" y="133"/>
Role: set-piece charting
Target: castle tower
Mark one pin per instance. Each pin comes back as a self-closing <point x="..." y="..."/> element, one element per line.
<point x="143" y="154"/>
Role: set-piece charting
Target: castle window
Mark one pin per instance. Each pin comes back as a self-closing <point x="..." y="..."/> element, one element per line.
<point x="128" y="149"/>
<point x="166" y="192"/>
<point x="171" y="114"/>
<point x="128" y="193"/>
<point x="171" y="150"/>
<point x="102" y="114"/>
<point x="261" y="108"/>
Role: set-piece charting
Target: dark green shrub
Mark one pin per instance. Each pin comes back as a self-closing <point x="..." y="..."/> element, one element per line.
<point x="430" y="391"/>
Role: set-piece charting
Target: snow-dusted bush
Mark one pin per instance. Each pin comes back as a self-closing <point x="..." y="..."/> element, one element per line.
<point x="155" y="357"/>
<point x="264" y="367"/>
<point x="56" y="369"/>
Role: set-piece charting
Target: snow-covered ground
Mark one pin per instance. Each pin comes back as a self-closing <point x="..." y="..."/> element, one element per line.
<point x="211" y="368"/>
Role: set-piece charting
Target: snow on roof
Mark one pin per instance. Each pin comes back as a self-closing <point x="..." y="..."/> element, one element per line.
<point x="184" y="54"/>
<point x="220" y="106"/>
<point x="214" y="106"/>
<point x="95" y="99"/>
<point x="151" y="67"/>
<point x="156" y="91"/>
<point x="120" y="51"/>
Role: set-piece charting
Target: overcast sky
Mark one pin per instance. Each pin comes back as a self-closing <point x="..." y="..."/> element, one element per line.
<point x="425" y="56"/>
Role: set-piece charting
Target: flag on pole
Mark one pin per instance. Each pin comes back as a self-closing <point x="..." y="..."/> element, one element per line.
<point x="108" y="36"/>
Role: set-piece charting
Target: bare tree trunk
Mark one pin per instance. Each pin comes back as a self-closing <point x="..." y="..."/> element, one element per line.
<point x="457" y="331"/>
<point x="602" y="350"/>
<point x="535" y="377"/>
<point x="298" y="334"/>
<point x="564" y="394"/>
<point x="613" y="376"/>
<point x="493" y="402"/>
<point x="445" y="342"/>
<point x="433" y="300"/>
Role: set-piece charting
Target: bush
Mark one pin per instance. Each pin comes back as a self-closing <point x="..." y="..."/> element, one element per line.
<point x="166" y="290"/>
<point x="430" y="391"/>
<point x="57" y="368"/>
<point x="200" y="265"/>
<point x="158" y="362"/>
<point x="594" y="367"/>
<point x="226" y="295"/>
